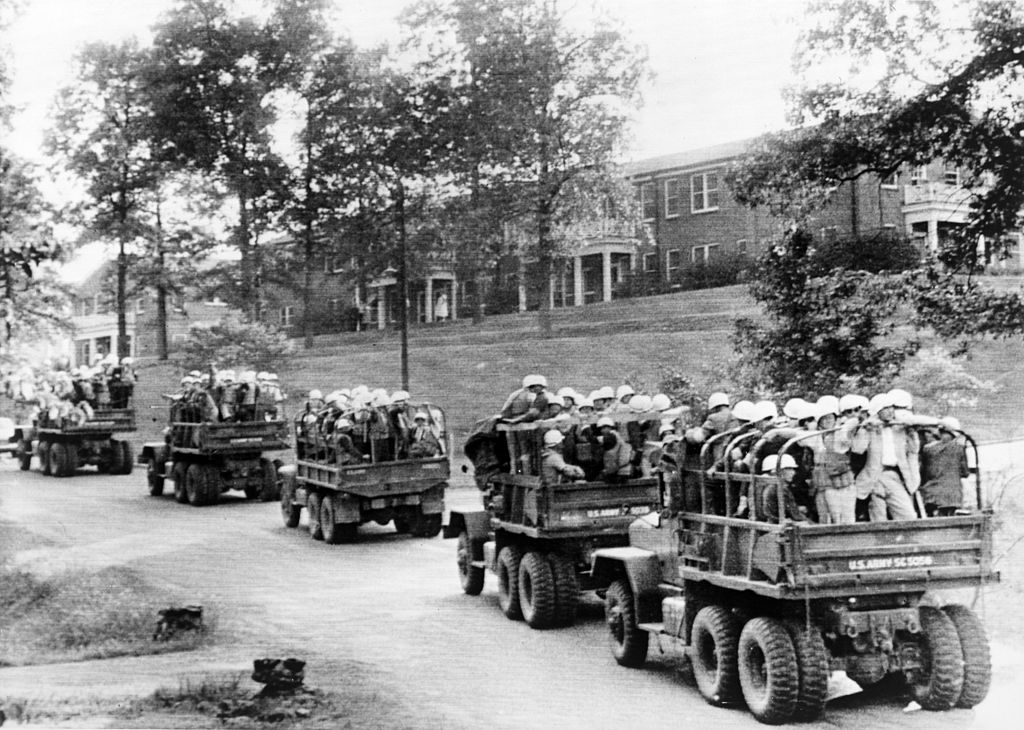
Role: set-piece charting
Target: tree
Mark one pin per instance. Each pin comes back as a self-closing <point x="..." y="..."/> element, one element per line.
<point x="212" y="82"/>
<point x="234" y="343"/>
<point x="923" y="85"/>
<point x="544" y="105"/>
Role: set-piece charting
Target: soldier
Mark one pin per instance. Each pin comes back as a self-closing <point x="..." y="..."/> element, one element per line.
<point x="528" y="403"/>
<point x="618" y="454"/>
<point x="553" y="466"/>
<point x="423" y="444"/>
<point x="891" y="474"/>
<point x="770" y="497"/>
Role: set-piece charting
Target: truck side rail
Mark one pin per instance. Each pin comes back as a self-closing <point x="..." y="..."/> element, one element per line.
<point x="103" y="420"/>
<point x="230" y="436"/>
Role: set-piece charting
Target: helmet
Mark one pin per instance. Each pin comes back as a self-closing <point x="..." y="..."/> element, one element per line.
<point x="272" y="377"/>
<point x="828" y="404"/>
<point x="127" y="360"/>
<point x="766" y="409"/>
<point x="794" y="408"/>
<point x="585" y="403"/>
<point x="666" y="428"/>
<point x="343" y="423"/>
<point x="605" y="421"/>
<point x="695" y="435"/>
<point x="399" y="396"/>
<point x="568" y="392"/>
<point x="247" y="376"/>
<point x="878" y="402"/>
<point x="553" y="438"/>
<point x="531" y="380"/>
<point x="900" y="398"/>
<point x="261" y="375"/>
<point x="195" y="373"/>
<point x="187" y="380"/>
<point x="773" y="460"/>
<point x="315" y="395"/>
<point x="717" y="399"/>
<point x="605" y="393"/>
<point x="225" y="375"/>
<point x="744" y="410"/>
<point x="640" y="403"/>
<point x="420" y="416"/>
<point x="623" y="390"/>
<point x="661" y="402"/>
<point x="850" y="402"/>
<point x="359" y="389"/>
<point x="951" y="422"/>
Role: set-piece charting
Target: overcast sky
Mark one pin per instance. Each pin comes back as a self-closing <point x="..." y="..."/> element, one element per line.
<point x="719" y="65"/>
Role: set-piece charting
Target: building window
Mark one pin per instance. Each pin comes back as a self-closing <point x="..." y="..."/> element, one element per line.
<point x="673" y="203"/>
<point x="702" y="254"/>
<point x="650" y="261"/>
<point x="891" y="181"/>
<point x="918" y="175"/>
<point x="704" y="192"/>
<point x="140" y="305"/>
<point x="96" y="304"/>
<point x="179" y="337"/>
<point x="287" y="315"/>
<point x="672" y="261"/>
<point x="334" y="307"/>
<point x="951" y="175"/>
<point x="648" y="205"/>
<point x="829" y="234"/>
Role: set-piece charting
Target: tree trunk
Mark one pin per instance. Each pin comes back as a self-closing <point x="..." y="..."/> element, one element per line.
<point x="403" y="283"/>
<point x="249" y="292"/>
<point x="307" y="288"/>
<point x="161" y="290"/>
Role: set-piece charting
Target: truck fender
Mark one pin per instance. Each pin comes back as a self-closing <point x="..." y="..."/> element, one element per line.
<point x="639" y="567"/>
<point x="24" y="433"/>
<point x="476" y="524"/>
<point x="156" y="450"/>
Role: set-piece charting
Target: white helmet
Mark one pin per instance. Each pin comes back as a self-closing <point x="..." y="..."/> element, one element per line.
<point x="878" y="402"/>
<point x="585" y="402"/>
<point x="717" y="399"/>
<point x="420" y="416"/>
<point x="247" y="376"/>
<point x="315" y="395"/>
<point x="262" y="375"/>
<point x="695" y="435"/>
<point x="272" y="377"/>
<point x="951" y="422"/>
<point x="225" y="375"/>
<point x="660" y="402"/>
<point x="900" y="398"/>
<point x="399" y="396"/>
<point x="772" y="460"/>
<point x="567" y="392"/>
<point x="623" y="390"/>
<point x="640" y="403"/>
<point x="359" y="389"/>
<point x="852" y="402"/>
<point x="666" y="428"/>
<point x="605" y="393"/>
<point x="343" y="423"/>
<point x="553" y="438"/>
<point x="531" y="380"/>
<point x="828" y="404"/>
<point x="605" y="421"/>
<point x="794" y="408"/>
<point x="766" y="409"/>
<point x="744" y="410"/>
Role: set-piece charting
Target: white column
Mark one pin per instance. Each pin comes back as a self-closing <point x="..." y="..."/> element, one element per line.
<point x="606" y="271"/>
<point x="429" y="312"/>
<point x="381" y="308"/>
<point x="577" y="280"/>
<point x="453" y="305"/>
<point x="522" y="286"/>
<point x="933" y="235"/>
<point x="551" y="291"/>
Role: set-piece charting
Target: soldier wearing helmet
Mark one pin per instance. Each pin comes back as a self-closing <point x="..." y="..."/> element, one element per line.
<point x="890" y="475"/>
<point x="423" y="443"/>
<point x="618" y="454"/>
<point x="785" y="467"/>
<point x="554" y="469"/>
<point x="529" y="403"/>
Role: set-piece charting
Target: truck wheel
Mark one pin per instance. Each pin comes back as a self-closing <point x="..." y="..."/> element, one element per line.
<point x="977" y="661"/>
<point x="629" y="642"/>
<point x="195" y="485"/>
<point x="70" y="459"/>
<point x="714" y="641"/>
<point x="426" y="525"/>
<point x="769" y="676"/>
<point x="567" y="588"/>
<point x="270" y="490"/>
<point x="290" y="512"/>
<point x="25" y="455"/>
<point x="402" y="524"/>
<point x="153" y="478"/>
<point x="212" y="483"/>
<point x="116" y="457"/>
<point x="178" y="472"/>
<point x="470" y="577"/>
<point x="128" y="458"/>
<point x="812" y="665"/>
<point x="333" y="533"/>
<point x="43" y="452"/>
<point x="508" y="582"/>
<point x="313" y="515"/>
<point x="536" y="590"/>
<point x="57" y="460"/>
<point x="938" y="685"/>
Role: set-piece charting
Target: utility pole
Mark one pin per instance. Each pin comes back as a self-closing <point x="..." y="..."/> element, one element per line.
<point x="403" y="282"/>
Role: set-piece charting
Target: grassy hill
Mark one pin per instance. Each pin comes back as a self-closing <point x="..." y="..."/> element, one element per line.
<point x="469" y="369"/>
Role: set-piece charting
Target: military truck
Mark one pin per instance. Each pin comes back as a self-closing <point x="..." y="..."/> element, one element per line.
<point x="206" y="459"/>
<point x="386" y="484"/>
<point x="764" y="611"/>
<point x="64" y="444"/>
<point x="536" y="536"/>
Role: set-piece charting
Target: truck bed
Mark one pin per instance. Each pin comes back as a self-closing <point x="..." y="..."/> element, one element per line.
<point x="104" y="421"/>
<point x="371" y="480"/>
<point x="231" y="438"/>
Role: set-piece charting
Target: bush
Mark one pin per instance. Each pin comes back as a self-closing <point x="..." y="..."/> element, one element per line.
<point x="233" y="342"/>
<point x="719" y="271"/>
<point x="940" y="383"/>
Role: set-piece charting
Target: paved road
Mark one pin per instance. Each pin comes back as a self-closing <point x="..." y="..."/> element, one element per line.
<point x="388" y="608"/>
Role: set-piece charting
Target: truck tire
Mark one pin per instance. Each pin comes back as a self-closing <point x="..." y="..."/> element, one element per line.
<point x="768" y="671"/>
<point x="567" y="588"/>
<point x="57" y="460"/>
<point x="333" y="532"/>
<point x="403" y="521"/>
<point x="25" y="455"/>
<point x="43" y="452"/>
<point x="70" y="459"/>
<point x="116" y="463"/>
<point x="812" y="665"/>
<point x="977" y="660"/>
<point x="270" y="489"/>
<point x="714" y="641"/>
<point x="426" y="525"/>
<point x="127" y="457"/>
<point x="629" y="642"/>
<point x="153" y="478"/>
<point x="536" y="590"/>
<point x="178" y="472"/>
<point x="313" y="515"/>
<point x="212" y="484"/>
<point x="939" y="684"/>
<point x="508" y="582"/>
<point x="290" y="512"/>
<point x="195" y="485"/>
<point x="471" y="577"/>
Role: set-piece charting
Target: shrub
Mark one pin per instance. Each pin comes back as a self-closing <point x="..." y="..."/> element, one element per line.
<point x="233" y="342"/>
